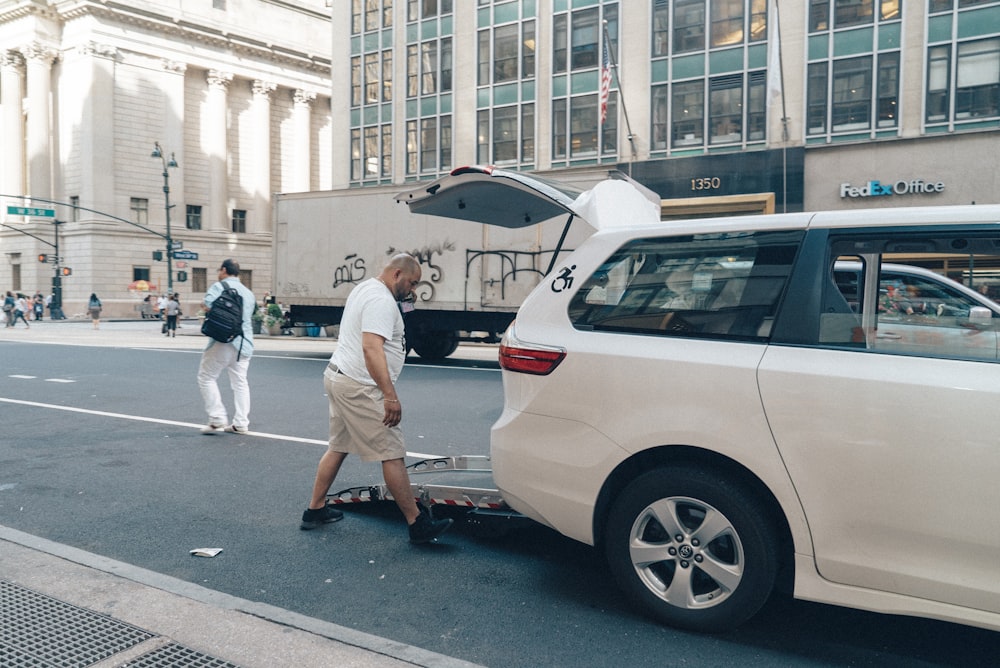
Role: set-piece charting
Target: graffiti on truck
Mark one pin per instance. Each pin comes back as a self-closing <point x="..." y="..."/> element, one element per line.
<point x="352" y="271"/>
<point x="510" y="264"/>
<point x="431" y="273"/>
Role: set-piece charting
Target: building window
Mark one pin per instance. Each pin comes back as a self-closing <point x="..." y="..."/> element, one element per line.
<point x="506" y="53"/>
<point x="356" y="81"/>
<point x="888" y="90"/>
<point x="977" y="79"/>
<point x="855" y="12"/>
<point x="727" y="22"/>
<point x="689" y="25"/>
<point x="193" y="217"/>
<point x="75" y="213"/>
<point x="819" y="15"/>
<point x="218" y="4"/>
<point x="429" y="67"/>
<point x="199" y="282"/>
<point x="140" y="273"/>
<point x="424" y="9"/>
<point x="688" y="114"/>
<point x="377" y="77"/>
<point x="429" y="149"/>
<point x="725" y="105"/>
<point x="371" y="13"/>
<point x="851" y="103"/>
<point x="850" y="13"/>
<point x="140" y="210"/>
<point x="239" y="221"/>
<point x="816" y="99"/>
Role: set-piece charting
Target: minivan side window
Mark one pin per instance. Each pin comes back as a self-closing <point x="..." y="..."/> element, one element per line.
<point x="724" y="285"/>
<point x="916" y="296"/>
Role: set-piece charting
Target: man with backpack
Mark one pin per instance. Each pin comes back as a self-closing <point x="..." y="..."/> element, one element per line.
<point x="229" y="305"/>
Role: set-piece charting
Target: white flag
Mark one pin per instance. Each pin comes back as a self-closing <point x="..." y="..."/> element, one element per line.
<point x="774" y="83"/>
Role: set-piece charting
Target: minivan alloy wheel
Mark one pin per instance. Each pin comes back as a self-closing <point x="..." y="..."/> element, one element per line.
<point x="687" y="552"/>
<point x="693" y="546"/>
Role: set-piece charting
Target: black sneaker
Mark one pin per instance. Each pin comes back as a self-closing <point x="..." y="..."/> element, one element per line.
<point x="313" y="518"/>
<point x="426" y="529"/>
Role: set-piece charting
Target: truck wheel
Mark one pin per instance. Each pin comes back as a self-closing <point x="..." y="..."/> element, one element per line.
<point x="693" y="548"/>
<point x="436" y="345"/>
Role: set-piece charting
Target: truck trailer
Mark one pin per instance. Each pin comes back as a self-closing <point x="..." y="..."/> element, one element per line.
<point x="475" y="274"/>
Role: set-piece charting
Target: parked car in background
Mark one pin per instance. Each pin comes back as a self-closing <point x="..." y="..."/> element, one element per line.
<point x="725" y="405"/>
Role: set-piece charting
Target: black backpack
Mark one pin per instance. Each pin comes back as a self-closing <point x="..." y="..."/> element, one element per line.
<point x="224" y="321"/>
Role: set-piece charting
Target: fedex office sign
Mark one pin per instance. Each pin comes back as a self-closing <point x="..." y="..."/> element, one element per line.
<point x="901" y="187"/>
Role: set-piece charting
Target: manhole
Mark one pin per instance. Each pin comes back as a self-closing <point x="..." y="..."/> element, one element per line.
<point x="42" y="632"/>
<point x="173" y="655"/>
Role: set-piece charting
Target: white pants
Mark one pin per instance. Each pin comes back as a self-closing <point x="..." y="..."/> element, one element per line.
<point x="217" y="357"/>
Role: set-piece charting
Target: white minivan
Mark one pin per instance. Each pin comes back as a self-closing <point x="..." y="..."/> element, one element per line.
<point x="726" y="404"/>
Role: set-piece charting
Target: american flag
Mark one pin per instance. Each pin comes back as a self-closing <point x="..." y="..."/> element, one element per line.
<point x="605" y="78"/>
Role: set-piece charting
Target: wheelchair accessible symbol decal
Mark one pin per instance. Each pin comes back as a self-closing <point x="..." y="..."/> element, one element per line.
<point x="564" y="281"/>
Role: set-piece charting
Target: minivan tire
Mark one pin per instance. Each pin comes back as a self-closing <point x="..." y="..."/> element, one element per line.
<point x="717" y="564"/>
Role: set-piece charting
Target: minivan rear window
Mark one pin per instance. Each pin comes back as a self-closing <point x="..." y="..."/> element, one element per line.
<point x="722" y="285"/>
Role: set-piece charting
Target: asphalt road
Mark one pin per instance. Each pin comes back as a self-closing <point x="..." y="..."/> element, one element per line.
<point x="100" y="449"/>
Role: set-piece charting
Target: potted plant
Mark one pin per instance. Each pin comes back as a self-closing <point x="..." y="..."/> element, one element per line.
<point x="273" y="319"/>
<point x="258" y="320"/>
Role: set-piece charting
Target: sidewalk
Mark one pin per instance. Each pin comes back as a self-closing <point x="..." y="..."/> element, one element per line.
<point x="146" y="334"/>
<point x="64" y="607"/>
<point x="60" y="606"/>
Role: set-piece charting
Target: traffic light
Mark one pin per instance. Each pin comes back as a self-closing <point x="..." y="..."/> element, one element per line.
<point x="182" y="276"/>
<point x="158" y="255"/>
<point x="42" y="257"/>
<point x="66" y="271"/>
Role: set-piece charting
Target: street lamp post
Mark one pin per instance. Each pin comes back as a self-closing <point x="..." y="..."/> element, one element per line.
<point x="159" y="153"/>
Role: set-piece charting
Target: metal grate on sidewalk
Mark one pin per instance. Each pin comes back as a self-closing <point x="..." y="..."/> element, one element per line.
<point x="173" y="655"/>
<point x="42" y="632"/>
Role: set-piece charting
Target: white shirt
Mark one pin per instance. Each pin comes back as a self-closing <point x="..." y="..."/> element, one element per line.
<point x="372" y="309"/>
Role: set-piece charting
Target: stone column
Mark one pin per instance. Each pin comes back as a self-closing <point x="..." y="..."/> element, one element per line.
<point x="260" y="221"/>
<point x="12" y="157"/>
<point x="215" y="141"/>
<point x="302" y="142"/>
<point x="172" y="139"/>
<point x="89" y="87"/>
<point x="39" y="129"/>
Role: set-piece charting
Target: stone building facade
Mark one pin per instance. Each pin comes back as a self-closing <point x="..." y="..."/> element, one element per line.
<point x="237" y="94"/>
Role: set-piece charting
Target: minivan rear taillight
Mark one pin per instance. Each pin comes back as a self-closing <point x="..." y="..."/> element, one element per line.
<point x="536" y="360"/>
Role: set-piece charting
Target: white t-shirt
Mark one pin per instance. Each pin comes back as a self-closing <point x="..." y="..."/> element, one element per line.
<point x="370" y="308"/>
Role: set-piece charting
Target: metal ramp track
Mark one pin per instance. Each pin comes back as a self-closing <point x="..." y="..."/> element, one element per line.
<point x="441" y="491"/>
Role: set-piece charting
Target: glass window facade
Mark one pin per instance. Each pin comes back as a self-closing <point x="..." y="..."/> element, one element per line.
<point x="963" y="73"/>
<point x="505" y="78"/>
<point x="429" y="70"/>
<point x="579" y="45"/>
<point x="715" y="93"/>
<point x="371" y="91"/>
<point x="853" y="90"/>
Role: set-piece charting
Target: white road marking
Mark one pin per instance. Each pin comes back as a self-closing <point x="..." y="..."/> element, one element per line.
<point x="175" y="423"/>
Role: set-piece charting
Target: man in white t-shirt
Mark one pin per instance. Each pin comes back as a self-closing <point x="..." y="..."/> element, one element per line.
<point x="365" y="410"/>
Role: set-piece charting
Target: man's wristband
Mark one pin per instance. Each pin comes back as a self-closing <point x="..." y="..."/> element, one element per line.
<point x="392" y="401"/>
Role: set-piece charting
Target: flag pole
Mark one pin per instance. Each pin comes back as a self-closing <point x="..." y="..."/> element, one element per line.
<point x="776" y="62"/>
<point x="621" y="92"/>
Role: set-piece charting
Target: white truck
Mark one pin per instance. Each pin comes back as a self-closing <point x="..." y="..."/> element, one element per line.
<point x="475" y="276"/>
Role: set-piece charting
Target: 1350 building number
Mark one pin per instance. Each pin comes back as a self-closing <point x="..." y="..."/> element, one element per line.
<point x="706" y="183"/>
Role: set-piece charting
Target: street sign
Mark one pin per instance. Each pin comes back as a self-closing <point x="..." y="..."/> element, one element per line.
<point x="176" y="245"/>
<point x="185" y="255"/>
<point x="31" y="211"/>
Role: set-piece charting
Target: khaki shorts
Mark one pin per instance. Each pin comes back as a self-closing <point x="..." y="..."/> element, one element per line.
<point x="356" y="414"/>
